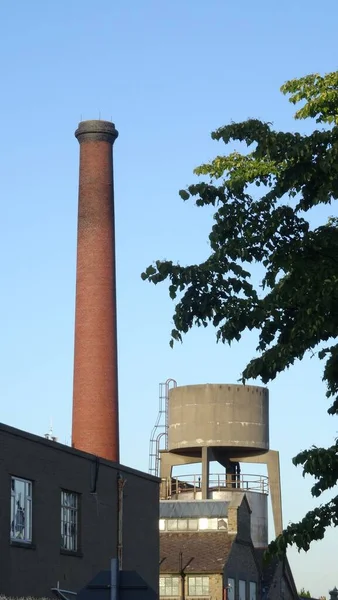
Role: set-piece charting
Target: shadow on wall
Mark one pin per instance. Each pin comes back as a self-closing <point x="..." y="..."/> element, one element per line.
<point x="130" y="586"/>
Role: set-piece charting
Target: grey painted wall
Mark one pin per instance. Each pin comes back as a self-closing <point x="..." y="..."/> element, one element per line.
<point x="33" y="570"/>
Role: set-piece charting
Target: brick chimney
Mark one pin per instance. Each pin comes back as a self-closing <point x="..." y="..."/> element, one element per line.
<point x="95" y="427"/>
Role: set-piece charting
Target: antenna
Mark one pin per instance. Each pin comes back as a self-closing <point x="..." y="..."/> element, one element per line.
<point x="49" y="435"/>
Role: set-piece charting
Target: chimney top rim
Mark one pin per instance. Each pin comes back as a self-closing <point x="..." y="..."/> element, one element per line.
<point x="96" y="130"/>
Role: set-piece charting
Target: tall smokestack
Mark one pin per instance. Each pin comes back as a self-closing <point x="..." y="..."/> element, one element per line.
<point x="95" y="398"/>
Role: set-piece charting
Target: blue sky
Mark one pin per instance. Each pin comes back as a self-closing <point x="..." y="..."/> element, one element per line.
<point x="167" y="73"/>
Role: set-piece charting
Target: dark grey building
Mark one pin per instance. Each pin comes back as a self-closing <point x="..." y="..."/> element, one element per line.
<point x="59" y="517"/>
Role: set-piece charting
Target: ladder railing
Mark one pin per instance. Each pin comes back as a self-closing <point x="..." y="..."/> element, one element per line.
<point x="160" y="429"/>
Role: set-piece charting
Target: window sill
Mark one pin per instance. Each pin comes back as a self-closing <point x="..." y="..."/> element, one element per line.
<point x="19" y="544"/>
<point x="71" y="553"/>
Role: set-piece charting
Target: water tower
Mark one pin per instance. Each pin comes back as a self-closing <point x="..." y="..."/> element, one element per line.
<point x="224" y="423"/>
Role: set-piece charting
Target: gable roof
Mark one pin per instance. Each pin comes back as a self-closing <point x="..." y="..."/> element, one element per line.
<point x="209" y="551"/>
<point x="268" y="570"/>
<point x="238" y="500"/>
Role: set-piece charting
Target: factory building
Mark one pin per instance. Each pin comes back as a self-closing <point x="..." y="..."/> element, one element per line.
<point x="59" y="517"/>
<point x="68" y="513"/>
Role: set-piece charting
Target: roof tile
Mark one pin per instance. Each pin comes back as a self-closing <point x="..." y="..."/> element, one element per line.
<point x="209" y="550"/>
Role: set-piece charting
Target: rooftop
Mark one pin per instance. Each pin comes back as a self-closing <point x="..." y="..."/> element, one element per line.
<point x="191" y="509"/>
<point x="209" y="551"/>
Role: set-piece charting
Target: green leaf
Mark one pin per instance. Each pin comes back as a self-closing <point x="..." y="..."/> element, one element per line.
<point x="184" y="194"/>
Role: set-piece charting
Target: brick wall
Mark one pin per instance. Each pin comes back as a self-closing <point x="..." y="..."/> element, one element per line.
<point x="216" y="587"/>
<point x="239" y="521"/>
<point x="232" y="520"/>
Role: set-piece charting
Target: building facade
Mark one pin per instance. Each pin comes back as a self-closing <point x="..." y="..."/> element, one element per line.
<point x="213" y="557"/>
<point x="214" y="526"/>
<point x="59" y="517"/>
<point x="208" y="556"/>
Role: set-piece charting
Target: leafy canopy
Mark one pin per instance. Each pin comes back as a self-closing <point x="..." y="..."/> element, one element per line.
<point x="262" y="199"/>
<point x="304" y="594"/>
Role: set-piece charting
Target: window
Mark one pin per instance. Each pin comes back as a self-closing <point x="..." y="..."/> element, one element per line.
<point x="193" y="524"/>
<point x="172" y="524"/>
<point x="242" y="590"/>
<point x="21" y="510"/>
<point x="182" y="524"/>
<point x="198" y="586"/>
<point x="253" y="590"/>
<point x="207" y="523"/>
<point x="231" y="589"/>
<point x="202" y="523"/>
<point x="69" y="521"/>
<point x="170" y="586"/>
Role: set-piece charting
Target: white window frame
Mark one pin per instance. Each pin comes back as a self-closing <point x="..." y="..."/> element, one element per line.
<point x="171" y="585"/>
<point x="69" y="520"/>
<point x="231" y="589"/>
<point x="194" y="524"/>
<point x="253" y="590"/>
<point x="20" y="526"/>
<point x="199" y="581"/>
<point x="241" y="591"/>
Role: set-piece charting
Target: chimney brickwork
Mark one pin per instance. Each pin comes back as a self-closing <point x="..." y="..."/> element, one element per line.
<point x="95" y="425"/>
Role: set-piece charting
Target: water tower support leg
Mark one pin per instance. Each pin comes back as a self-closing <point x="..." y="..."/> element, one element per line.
<point x="271" y="460"/>
<point x="275" y="489"/>
<point x="206" y="458"/>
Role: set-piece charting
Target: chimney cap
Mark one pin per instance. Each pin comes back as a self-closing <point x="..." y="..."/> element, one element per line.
<point x="96" y="131"/>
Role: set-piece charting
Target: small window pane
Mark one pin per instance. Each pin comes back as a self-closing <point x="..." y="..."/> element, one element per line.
<point x="253" y="590"/>
<point x="162" y="524"/>
<point x="69" y="521"/>
<point x="182" y="524"/>
<point x="21" y="510"/>
<point x="172" y="524"/>
<point x="193" y="524"/>
<point x="198" y="586"/>
<point x="202" y="523"/>
<point x="207" y="524"/>
<point x="212" y="523"/>
<point x="231" y="589"/>
<point x="175" y="586"/>
<point x="242" y="589"/>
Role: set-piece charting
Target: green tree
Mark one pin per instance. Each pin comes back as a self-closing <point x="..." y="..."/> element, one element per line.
<point x="262" y="197"/>
<point x="304" y="594"/>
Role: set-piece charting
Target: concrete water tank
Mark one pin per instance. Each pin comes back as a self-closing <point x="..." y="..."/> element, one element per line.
<point x="233" y="420"/>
